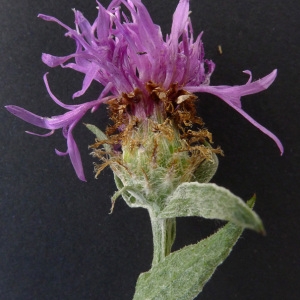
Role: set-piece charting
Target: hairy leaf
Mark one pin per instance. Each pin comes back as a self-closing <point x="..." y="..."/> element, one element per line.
<point x="210" y="201"/>
<point x="182" y="274"/>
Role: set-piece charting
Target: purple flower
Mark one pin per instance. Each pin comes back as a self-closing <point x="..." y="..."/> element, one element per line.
<point x="125" y="51"/>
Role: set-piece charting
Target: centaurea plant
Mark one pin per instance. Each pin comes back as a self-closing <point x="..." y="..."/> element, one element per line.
<point x="159" y="150"/>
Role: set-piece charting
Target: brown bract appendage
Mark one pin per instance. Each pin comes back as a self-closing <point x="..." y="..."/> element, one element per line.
<point x="172" y="115"/>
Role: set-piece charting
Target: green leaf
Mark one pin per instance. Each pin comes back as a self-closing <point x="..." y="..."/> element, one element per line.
<point x="210" y="201"/>
<point x="182" y="274"/>
<point x="100" y="135"/>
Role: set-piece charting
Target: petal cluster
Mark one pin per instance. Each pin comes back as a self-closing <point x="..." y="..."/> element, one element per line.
<point x="123" y="50"/>
<point x="126" y="49"/>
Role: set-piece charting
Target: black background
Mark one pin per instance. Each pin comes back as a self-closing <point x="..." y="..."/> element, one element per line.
<point x="57" y="240"/>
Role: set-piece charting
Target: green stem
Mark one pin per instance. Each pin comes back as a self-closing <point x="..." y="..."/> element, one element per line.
<point x="164" y="232"/>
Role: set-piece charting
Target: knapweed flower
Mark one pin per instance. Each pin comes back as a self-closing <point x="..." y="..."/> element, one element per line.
<point x="148" y="82"/>
<point x="156" y="145"/>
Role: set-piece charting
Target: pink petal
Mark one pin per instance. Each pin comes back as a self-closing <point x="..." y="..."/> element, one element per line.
<point x="41" y="135"/>
<point x="28" y="116"/>
<point x="232" y="96"/>
<point x="90" y="75"/>
<point x="103" y="23"/>
<point x="180" y="19"/>
<point x="84" y="26"/>
<point x="60" y="153"/>
<point x="74" y="154"/>
<point x="54" y="61"/>
<point x="66" y="106"/>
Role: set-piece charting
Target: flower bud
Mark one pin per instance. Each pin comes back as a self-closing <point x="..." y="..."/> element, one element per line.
<point x="155" y="154"/>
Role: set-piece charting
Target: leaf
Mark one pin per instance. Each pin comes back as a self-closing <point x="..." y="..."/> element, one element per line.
<point x="182" y="274"/>
<point x="210" y="201"/>
<point x="100" y="135"/>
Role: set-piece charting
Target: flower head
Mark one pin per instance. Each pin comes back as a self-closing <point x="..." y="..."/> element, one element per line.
<point x="127" y="54"/>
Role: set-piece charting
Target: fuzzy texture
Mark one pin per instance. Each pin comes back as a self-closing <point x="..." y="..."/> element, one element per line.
<point x="123" y="51"/>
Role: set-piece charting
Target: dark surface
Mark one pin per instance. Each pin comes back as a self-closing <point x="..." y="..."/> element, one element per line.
<point x="57" y="240"/>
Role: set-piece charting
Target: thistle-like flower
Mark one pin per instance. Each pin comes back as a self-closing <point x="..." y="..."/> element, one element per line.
<point x="148" y="81"/>
<point x="156" y="145"/>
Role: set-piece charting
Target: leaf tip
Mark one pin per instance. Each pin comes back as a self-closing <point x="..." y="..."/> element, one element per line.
<point x="261" y="229"/>
<point x="88" y="126"/>
<point x="260" y="226"/>
<point x="252" y="201"/>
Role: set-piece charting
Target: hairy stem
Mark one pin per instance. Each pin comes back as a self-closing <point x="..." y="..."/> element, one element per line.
<point x="164" y="232"/>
